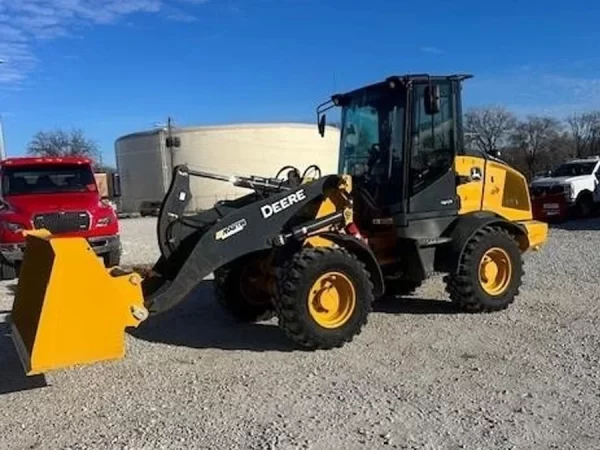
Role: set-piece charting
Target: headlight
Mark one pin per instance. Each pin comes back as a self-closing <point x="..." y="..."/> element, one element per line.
<point x="104" y="221"/>
<point x="13" y="227"/>
<point x="568" y="191"/>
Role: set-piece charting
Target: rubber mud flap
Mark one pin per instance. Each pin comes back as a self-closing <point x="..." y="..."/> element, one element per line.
<point x="69" y="309"/>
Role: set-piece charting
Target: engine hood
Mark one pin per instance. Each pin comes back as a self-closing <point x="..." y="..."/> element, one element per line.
<point x="34" y="204"/>
<point x="550" y="181"/>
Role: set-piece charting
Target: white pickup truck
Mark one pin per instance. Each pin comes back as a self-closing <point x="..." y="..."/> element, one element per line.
<point x="578" y="180"/>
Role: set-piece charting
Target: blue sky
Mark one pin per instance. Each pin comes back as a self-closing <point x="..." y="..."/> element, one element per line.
<point x="113" y="67"/>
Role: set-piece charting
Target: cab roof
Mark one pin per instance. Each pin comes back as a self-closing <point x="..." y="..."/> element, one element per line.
<point x="57" y="160"/>
<point x="414" y="77"/>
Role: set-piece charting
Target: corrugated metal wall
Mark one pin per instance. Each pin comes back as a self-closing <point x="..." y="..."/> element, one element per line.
<point x="255" y="149"/>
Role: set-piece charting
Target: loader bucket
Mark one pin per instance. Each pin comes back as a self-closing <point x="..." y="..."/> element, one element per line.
<point x="69" y="309"/>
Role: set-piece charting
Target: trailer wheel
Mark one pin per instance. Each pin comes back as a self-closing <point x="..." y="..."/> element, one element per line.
<point x="489" y="273"/>
<point x="324" y="297"/>
<point x="239" y="290"/>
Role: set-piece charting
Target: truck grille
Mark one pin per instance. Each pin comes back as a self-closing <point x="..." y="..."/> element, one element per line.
<point x="539" y="191"/>
<point x="63" y="222"/>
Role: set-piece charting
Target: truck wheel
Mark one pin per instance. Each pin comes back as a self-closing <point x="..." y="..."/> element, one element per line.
<point x="489" y="273"/>
<point x="8" y="272"/>
<point x="239" y="289"/>
<point x="584" y="206"/>
<point x="324" y="297"/>
<point x="112" y="258"/>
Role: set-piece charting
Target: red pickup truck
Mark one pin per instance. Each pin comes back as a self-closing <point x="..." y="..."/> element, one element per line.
<point x="60" y="195"/>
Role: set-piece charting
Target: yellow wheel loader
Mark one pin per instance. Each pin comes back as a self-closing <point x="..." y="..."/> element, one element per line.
<point x="313" y="250"/>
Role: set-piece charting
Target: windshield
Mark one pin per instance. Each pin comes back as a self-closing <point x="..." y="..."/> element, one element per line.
<point x="574" y="169"/>
<point x="372" y="130"/>
<point x="47" y="179"/>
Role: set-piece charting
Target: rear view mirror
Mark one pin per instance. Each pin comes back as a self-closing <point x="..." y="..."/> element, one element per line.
<point x="322" y="123"/>
<point x="432" y="99"/>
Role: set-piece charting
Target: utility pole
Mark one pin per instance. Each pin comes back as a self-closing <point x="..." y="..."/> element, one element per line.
<point x="2" y="149"/>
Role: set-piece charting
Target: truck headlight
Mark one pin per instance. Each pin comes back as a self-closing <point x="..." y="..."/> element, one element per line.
<point x="568" y="191"/>
<point x="105" y="221"/>
<point x="13" y="227"/>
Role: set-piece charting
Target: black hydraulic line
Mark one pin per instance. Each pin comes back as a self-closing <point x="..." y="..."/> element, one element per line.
<point x="301" y="231"/>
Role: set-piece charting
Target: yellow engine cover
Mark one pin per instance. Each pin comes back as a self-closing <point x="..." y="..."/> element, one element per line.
<point x="68" y="308"/>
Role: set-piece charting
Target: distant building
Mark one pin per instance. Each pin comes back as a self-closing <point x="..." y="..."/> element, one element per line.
<point x="145" y="163"/>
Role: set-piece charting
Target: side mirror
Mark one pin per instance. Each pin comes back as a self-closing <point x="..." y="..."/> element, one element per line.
<point x="115" y="185"/>
<point x="495" y="153"/>
<point x="322" y="123"/>
<point x="432" y="99"/>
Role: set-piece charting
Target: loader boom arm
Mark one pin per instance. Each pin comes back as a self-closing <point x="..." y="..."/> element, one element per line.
<point x="192" y="247"/>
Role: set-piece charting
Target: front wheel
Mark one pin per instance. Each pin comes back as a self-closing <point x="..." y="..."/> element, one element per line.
<point x="241" y="290"/>
<point x="584" y="206"/>
<point x="489" y="273"/>
<point x="324" y="297"/>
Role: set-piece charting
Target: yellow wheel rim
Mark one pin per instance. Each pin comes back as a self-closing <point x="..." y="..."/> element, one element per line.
<point x="332" y="300"/>
<point x="495" y="271"/>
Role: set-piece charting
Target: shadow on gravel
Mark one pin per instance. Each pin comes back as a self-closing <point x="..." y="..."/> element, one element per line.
<point x="415" y="306"/>
<point x="199" y="322"/>
<point x="592" y="224"/>
<point x="12" y="376"/>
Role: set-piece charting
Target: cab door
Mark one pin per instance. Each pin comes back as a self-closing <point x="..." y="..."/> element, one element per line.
<point x="470" y="176"/>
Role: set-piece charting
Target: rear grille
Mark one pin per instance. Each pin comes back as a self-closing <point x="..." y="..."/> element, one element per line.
<point x="63" y="222"/>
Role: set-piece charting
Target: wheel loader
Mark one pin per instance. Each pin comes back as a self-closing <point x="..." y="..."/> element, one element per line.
<point x="409" y="201"/>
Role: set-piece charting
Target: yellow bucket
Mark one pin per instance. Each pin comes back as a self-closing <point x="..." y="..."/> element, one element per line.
<point x="69" y="309"/>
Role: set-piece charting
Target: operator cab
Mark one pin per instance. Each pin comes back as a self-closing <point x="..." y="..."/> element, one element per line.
<point x="398" y="140"/>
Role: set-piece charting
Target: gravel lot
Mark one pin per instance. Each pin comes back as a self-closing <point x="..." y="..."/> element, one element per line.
<point x="420" y="376"/>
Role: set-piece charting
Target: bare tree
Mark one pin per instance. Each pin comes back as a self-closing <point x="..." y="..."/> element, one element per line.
<point x="63" y="143"/>
<point x="488" y="127"/>
<point x="535" y="136"/>
<point x="585" y="133"/>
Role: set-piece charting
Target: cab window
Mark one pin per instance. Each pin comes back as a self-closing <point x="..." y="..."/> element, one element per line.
<point x="432" y="137"/>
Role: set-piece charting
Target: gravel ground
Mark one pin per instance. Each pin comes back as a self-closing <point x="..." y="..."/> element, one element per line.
<point x="419" y="376"/>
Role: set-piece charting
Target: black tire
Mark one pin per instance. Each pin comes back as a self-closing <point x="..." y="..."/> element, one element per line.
<point x="242" y="304"/>
<point x="584" y="207"/>
<point x="295" y="281"/>
<point x="112" y="258"/>
<point x="8" y="272"/>
<point x="401" y="287"/>
<point x="464" y="286"/>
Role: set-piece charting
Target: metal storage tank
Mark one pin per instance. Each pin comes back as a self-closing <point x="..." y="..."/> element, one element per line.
<point x="145" y="163"/>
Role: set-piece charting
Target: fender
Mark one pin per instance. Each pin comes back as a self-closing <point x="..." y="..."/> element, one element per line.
<point x="464" y="229"/>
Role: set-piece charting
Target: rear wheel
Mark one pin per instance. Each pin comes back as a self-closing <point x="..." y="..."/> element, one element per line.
<point x="489" y="274"/>
<point x="241" y="289"/>
<point x="324" y="297"/>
